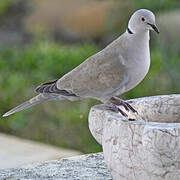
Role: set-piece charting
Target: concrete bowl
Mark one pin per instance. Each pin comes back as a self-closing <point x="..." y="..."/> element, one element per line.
<point x="144" y="146"/>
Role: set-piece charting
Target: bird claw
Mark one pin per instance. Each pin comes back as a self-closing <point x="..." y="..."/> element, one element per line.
<point x="131" y="108"/>
<point x="115" y="108"/>
<point x="126" y="105"/>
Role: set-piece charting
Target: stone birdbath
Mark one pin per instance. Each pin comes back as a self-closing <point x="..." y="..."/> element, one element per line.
<point x="144" y="146"/>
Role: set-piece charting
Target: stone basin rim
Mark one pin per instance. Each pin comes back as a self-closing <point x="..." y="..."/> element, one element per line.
<point x="149" y="124"/>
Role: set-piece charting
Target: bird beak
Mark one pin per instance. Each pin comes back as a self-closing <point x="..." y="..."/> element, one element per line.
<point x="154" y="27"/>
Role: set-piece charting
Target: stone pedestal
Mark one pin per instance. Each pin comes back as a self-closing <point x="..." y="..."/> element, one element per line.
<point x="144" y="146"/>
<point x="84" y="167"/>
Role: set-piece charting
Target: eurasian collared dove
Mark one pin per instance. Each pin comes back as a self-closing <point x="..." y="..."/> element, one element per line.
<point x="116" y="69"/>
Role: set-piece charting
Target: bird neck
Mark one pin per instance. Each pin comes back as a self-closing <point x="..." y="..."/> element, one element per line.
<point x="144" y="34"/>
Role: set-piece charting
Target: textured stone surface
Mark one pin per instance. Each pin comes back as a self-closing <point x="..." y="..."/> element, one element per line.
<point x="15" y="152"/>
<point x="147" y="148"/>
<point x="85" y="167"/>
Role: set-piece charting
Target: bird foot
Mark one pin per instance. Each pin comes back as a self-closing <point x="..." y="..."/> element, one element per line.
<point x="120" y="102"/>
<point x="115" y="108"/>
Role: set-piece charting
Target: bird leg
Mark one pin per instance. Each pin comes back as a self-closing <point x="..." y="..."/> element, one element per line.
<point x="120" y="102"/>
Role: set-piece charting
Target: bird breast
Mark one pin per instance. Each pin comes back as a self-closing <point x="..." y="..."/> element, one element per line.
<point x="137" y="65"/>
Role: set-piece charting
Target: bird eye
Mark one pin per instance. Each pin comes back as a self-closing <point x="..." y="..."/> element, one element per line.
<point x="142" y="19"/>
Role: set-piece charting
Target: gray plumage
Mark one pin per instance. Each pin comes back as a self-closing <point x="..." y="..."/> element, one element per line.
<point x="116" y="69"/>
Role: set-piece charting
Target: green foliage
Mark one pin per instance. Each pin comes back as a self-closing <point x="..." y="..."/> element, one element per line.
<point x="155" y="5"/>
<point x="4" y="5"/>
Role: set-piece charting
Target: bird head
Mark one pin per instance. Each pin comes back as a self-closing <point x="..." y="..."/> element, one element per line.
<point x="142" y="20"/>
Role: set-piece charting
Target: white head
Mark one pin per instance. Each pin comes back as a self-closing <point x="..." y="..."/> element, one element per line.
<point x="142" y="20"/>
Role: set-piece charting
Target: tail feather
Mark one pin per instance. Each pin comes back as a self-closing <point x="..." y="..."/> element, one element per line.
<point x="35" y="100"/>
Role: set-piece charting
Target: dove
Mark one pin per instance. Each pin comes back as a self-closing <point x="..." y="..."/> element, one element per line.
<point x="116" y="69"/>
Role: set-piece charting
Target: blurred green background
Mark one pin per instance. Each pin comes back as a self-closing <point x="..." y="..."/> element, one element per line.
<point x="41" y="40"/>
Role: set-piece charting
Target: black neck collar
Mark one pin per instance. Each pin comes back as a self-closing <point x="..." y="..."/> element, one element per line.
<point x="129" y="31"/>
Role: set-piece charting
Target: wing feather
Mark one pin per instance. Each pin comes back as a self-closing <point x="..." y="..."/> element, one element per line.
<point x="51" y="87"/>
